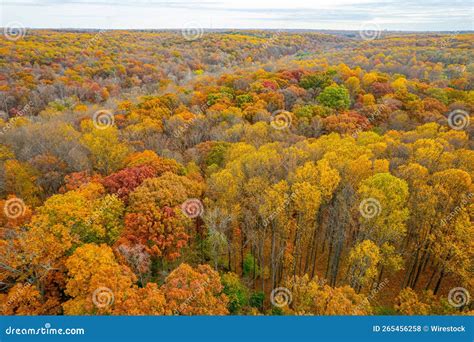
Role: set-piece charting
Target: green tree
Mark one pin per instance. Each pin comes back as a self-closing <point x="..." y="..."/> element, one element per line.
<point x="335" y="96"/>
<point x="237" y="293"/>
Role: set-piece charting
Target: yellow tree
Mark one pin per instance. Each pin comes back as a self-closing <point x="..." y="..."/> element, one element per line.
<point x="306" y="202"/>
<point x="106" y="151"/>
<point x="35" y="257"/>
<point x="422" y="202"/>
<point x="86" y="212"/>
<point x="407" y="303"/>
<point x="20" y="180"/>
<point x="313" y="297"/>
<point x="275" y="213"/>
<point x="450" y="242"/>
<point x="363" y="264"/>
<point x="168" y="190"/>
<point x="96" y="282"/>
<point x="150" y="158"/>
<point x="383" y="214"/>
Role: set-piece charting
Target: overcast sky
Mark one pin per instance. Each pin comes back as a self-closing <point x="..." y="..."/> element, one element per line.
<point x="433" y="15"/>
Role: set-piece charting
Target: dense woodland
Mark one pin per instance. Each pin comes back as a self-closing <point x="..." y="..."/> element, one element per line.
<point x="143" y="173"/>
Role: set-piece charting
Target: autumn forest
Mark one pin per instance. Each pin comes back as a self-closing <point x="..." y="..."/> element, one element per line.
<point x="236" y="172"/>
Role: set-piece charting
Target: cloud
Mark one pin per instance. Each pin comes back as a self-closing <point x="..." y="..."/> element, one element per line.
<point x="334" y="14"/>
<point x="134" y="3"/>
<point x="389" y="11"/>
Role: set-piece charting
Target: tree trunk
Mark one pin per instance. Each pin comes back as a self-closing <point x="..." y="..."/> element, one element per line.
<point x="431" y="279"/>
<point x="438" y="283"/>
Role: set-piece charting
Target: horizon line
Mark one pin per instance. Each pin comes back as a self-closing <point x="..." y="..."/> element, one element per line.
<point x="232" y="29"/>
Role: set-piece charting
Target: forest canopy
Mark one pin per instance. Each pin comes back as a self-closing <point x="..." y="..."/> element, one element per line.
<point x="240" y="172"/>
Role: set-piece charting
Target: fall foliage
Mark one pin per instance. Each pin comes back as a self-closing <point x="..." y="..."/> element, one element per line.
<point x="153" y="176"/>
